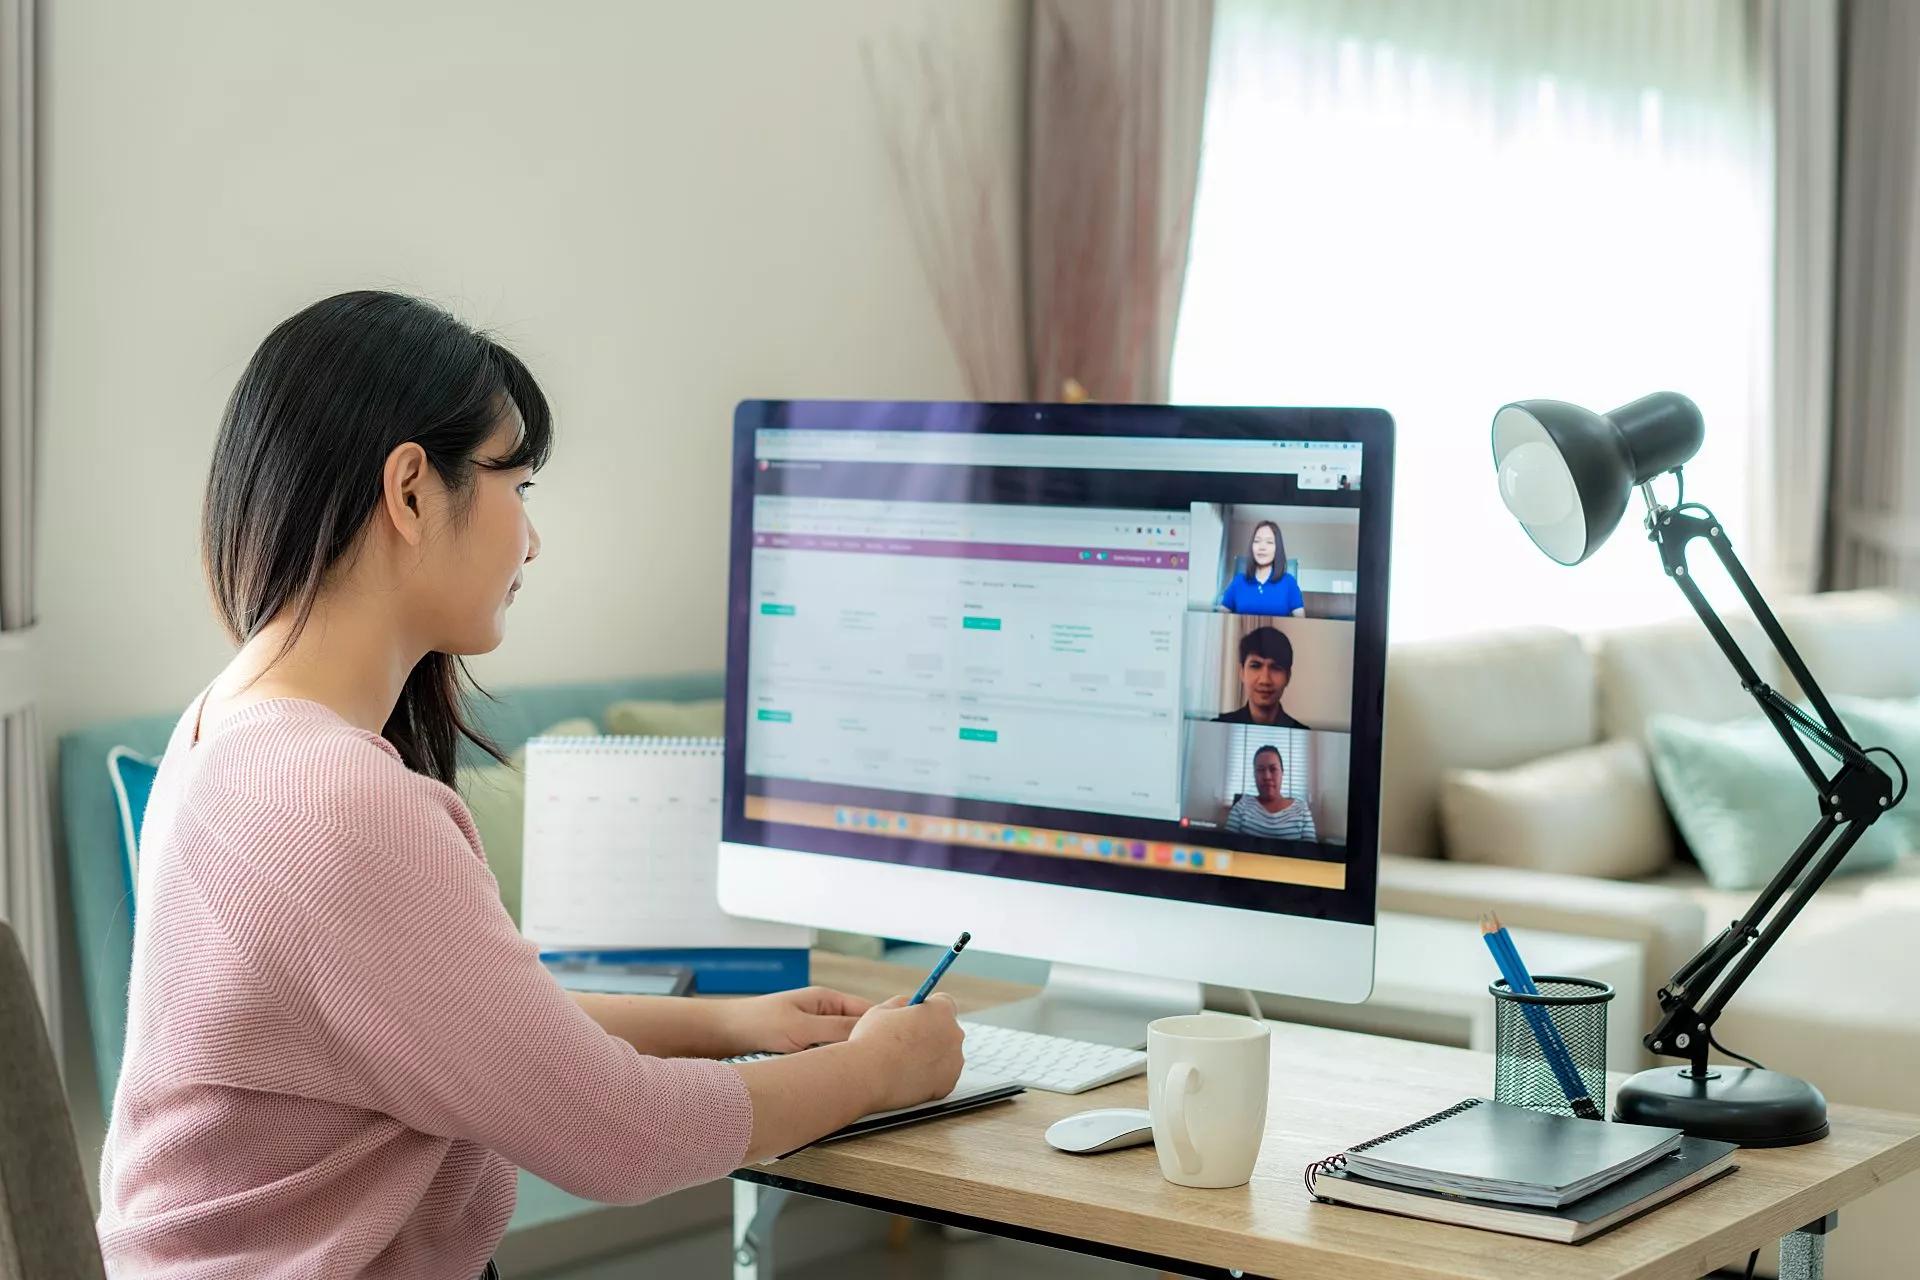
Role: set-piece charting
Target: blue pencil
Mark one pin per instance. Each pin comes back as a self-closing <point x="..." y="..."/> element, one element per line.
<point x="1552" y="1047"/>
<point x="953" y="952"/>
<point x="1552" y="1044"/>
<point x="1514" y="969"/>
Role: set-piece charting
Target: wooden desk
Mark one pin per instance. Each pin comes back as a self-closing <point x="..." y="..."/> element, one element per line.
<point x="992" y="1171"/>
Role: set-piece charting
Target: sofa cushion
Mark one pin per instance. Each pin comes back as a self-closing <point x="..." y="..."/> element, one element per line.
<point x="1485" y="702"/>
<point x="1840" y="898"/>
<point x="1675" y="668"/>
<point x="1742" y="802"/>
<point x="702" y="719"/>
<point x="1863" y="643"/>
<point x="1806" y="997"/>
<point x="1592" y="811"/>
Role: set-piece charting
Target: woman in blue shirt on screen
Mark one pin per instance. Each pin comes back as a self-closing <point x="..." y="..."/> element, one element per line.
<point x="1265" y="588"/>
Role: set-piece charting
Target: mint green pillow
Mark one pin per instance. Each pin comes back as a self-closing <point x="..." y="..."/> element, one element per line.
<point x="1743" y="804"/>
<point x="1893" y="723"/>
<point x="706" y="718"/>
<point x="496" y="796"/>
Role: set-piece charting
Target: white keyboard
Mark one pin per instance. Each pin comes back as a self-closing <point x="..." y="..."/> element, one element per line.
<point x="1053" y="1063"/>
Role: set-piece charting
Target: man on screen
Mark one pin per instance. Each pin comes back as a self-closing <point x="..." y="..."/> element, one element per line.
<point x="1266" y="667"/>
<point x="1268" y="813"/>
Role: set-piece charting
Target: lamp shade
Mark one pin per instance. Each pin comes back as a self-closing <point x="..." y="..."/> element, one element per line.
<point x="1566" y="472"/>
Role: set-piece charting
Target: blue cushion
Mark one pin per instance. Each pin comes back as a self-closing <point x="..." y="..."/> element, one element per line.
<point x="132" y="777"/>
<point x="97" y="877"/>
<point x="1742" y="802"/>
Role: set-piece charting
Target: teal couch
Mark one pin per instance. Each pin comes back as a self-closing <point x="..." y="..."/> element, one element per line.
<point x="102" y="921"/>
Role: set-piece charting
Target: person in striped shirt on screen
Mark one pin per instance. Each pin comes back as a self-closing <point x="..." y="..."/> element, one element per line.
<point x="1267" y="812"/>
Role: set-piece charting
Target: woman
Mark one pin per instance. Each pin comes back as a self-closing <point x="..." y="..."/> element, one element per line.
<point x="1265" y="587"/>
<point x="1267" y="812"/>
<point x="338" y="1046"/>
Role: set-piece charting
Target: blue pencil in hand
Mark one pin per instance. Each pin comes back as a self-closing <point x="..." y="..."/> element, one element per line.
<point x="953" y="953"/>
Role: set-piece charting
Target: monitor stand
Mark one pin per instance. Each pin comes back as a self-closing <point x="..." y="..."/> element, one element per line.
<point x="1101" y="1005"/>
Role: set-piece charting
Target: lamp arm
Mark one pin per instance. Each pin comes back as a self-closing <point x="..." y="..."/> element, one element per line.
<point x="1851" y="800"/>
<point x="1695" y="996"/>
<point x="1673" y="530"/>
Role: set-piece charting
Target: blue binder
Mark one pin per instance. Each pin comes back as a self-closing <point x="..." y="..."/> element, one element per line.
<point x="717" y="971"/>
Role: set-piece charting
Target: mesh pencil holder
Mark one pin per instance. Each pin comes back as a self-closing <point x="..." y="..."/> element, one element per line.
<point x="1577" y="1007"/>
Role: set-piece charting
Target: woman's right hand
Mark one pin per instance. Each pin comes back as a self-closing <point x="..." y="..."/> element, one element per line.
<point x="914" y="1050"/>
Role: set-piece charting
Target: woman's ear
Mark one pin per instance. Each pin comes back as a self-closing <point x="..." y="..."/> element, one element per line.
<point x="401" y="482"/>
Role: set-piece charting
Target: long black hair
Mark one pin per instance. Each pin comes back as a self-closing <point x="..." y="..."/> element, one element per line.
<point x="297" y="472"/>
<point x="1279" y="568"/>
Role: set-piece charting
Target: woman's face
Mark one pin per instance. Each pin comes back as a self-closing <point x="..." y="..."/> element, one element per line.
<point x="470" y="562"/>
<point x="1267" y="775"/>
<point x="1263" y="546"/>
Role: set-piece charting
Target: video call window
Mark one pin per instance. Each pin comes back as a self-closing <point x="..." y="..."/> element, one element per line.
<point x="1280" y="784"/>
<point x="1275" y="561"/>
<point x="1283" y="673"/>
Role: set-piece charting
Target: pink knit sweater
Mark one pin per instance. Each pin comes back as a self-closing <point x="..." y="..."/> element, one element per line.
<point x="338" y="1046"/>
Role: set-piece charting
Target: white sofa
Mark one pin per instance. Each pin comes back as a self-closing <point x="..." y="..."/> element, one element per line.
<point x="1837" y="1001"/>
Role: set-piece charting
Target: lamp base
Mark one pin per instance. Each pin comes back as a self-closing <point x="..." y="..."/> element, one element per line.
<point x="1743" y="1105"/>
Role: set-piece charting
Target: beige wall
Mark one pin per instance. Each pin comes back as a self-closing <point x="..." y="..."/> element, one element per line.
<point x="663" y="207"/>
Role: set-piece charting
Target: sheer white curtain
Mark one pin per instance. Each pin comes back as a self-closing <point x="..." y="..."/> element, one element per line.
<point x="26" y="859"/>
<point x="1437" y="206"/>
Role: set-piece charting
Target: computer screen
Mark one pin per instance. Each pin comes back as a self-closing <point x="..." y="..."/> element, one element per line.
<point x="1126" y="648"/>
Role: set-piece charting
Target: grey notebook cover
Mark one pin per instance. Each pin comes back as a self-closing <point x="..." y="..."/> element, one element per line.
<point x="1604" y="1209"/>
<point x="1493" y="1142"/>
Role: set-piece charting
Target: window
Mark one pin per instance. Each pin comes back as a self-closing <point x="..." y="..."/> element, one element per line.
<point x="1295" y="761"/>
<point x="1438" y="206"/>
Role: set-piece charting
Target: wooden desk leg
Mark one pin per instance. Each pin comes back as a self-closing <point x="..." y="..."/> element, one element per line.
<point x="755" y="1210"/>
<point x="1803" y="1253"/>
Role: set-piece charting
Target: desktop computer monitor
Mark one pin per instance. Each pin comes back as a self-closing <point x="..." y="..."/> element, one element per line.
<point x="1101" y="684"/>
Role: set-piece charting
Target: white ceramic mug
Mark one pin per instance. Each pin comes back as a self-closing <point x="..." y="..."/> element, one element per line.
<point x="1207" y="1094"/>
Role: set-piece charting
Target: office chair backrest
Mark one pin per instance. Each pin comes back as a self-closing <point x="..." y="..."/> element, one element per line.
<point x="46" y="1220"/>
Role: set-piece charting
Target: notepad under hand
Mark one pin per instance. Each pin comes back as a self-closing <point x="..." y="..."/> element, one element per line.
<point x="972" y="1090"/>
<point x="1491" y="1151"/>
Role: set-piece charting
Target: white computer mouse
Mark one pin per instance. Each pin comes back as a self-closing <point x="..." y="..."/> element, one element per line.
<point x="1108" y="1129"/>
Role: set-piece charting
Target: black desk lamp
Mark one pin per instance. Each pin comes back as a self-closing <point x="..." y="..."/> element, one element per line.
<point x="1566" y="474"/>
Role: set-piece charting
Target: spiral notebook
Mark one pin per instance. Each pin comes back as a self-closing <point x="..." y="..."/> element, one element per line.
<point x="622" y="850"/>
<point x="1487" y="1164"/>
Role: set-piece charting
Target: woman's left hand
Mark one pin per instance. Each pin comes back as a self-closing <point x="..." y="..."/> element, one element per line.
<point x="789" y="1021"/>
